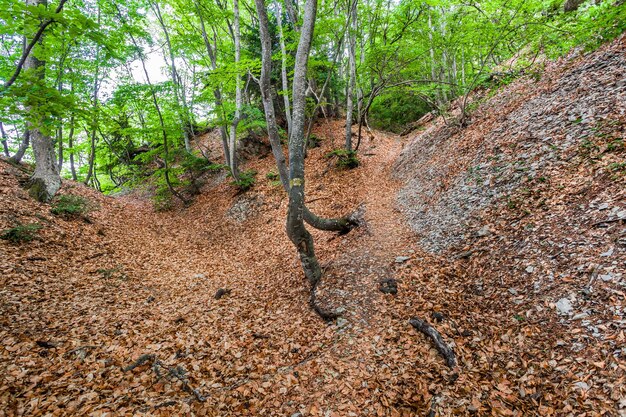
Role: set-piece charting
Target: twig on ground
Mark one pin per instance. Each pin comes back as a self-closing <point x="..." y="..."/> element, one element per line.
<point x="177" y="372"/>
<point x="442" y="347"/>
<point x="468" y="253"/>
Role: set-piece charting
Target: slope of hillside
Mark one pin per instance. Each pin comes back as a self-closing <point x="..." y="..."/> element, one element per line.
<point x="88" y="299"/>
<point x="530" y="202"/>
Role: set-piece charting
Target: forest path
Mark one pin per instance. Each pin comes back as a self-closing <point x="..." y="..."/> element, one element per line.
<point x="133" y="281"/>
<point x="266" y="323"/>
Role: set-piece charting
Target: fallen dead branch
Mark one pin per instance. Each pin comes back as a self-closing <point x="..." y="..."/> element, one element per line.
<point x="176" y="372"/>
<point x="442" y="347"/>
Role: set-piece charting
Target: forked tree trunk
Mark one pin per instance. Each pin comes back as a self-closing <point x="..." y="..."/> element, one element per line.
<point x="45" y="181"/>
<point x="297" y="232"/>
<point x="342" y="224"/>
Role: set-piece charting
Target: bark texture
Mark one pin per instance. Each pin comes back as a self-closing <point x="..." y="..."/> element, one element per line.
<point x="45" y="181"/>
<point x="297" y="232"/>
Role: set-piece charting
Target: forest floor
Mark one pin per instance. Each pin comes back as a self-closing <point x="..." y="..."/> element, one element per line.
<point x="89" y="297"/>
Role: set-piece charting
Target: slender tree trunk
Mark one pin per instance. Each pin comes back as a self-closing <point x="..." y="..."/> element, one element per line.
<point x="45" y="181"/>
<point x="70" y="139"/>
<point x="21" y="150"/>
<point x="292" y="13"/>
<point x="343" y="224"/>
<point x="352" y="74"/>
<point x="238" y="99"/>
<point x="179" y="93"/>
<point x="216" y="91"/>
<point x="433" y="72"/>
<point x="5" y="145"/>
<point x="297" y="232"/>
<point x="166" y="170"/>
<point x="94" y="120"/>
<point x="283" y="68"/>
<point x="60" y="135"/>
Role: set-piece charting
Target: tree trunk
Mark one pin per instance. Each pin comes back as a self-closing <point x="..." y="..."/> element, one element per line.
<point x="60" y="137"/>
<point x="5" y="145"/>
<point x="70" y="138"/>
<point x="572" y="5"/>
<point x="297" y="232"/>
<point x="45" y="181"/>
<point x="283" y="69"/>
<point x="179" y="93"/>
<point x="21" y="150"/>
<point x="238" y="100"/>
<point x="341" y="225"/>
<point x="94" y="120"/>
<point x="216" y="92"/>
<point x="351" y="76"/>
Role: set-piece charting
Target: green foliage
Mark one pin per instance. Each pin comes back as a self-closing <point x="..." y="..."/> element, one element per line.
<point x="246" y="180"/>
<point x="412" y="58"/>
<point x="21" y="233"/>
<point x="393" y="110"/>
<point x="274" y="179"/>
<point x="344" y="159"/>
<point x="199" y="164"/>
<point x="313" y="142"/>
<point x="272" y="176"/>
<point x="70" y="206"/>
<point x="163" y="199"/>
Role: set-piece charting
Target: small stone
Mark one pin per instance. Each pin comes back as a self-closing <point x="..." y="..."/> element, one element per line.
<point x="200" y="276"/>
<point x="296" y="415"/>
<point x="341" y="322"/>
<point x="621" y="214"/>
<point x="580" y="316"/>
<point x="513" y="291"/>
<point x="402" y="259"/>
<point x="564" y="306"/>
<point x="603" y="206"/>
<point x="530" y="269"/>
<point x="582" y="385"/>
<point x="340" y="310"/>
<point x="606" y="277"/>
<point x="483" y="231"/>
<point x="607" y="253"/>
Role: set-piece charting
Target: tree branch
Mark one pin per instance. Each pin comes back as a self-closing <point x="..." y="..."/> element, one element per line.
<point x="30" y="46"/>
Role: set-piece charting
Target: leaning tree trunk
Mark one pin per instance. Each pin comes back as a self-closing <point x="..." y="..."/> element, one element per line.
<point x="296" y="230"/>
<point x="45" y="181"/>
<point x="342" y="224"/>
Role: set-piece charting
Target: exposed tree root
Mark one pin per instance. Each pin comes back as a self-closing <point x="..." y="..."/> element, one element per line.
<point x="324" y="314"/>
<point x="441" y="346"/>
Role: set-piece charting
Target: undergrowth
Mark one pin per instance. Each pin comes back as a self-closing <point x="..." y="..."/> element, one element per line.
<point x="345" y="159"/>
<point x="69" y="206"/>
<point x="21" y="233"/>
<point x="246" y="180"/>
